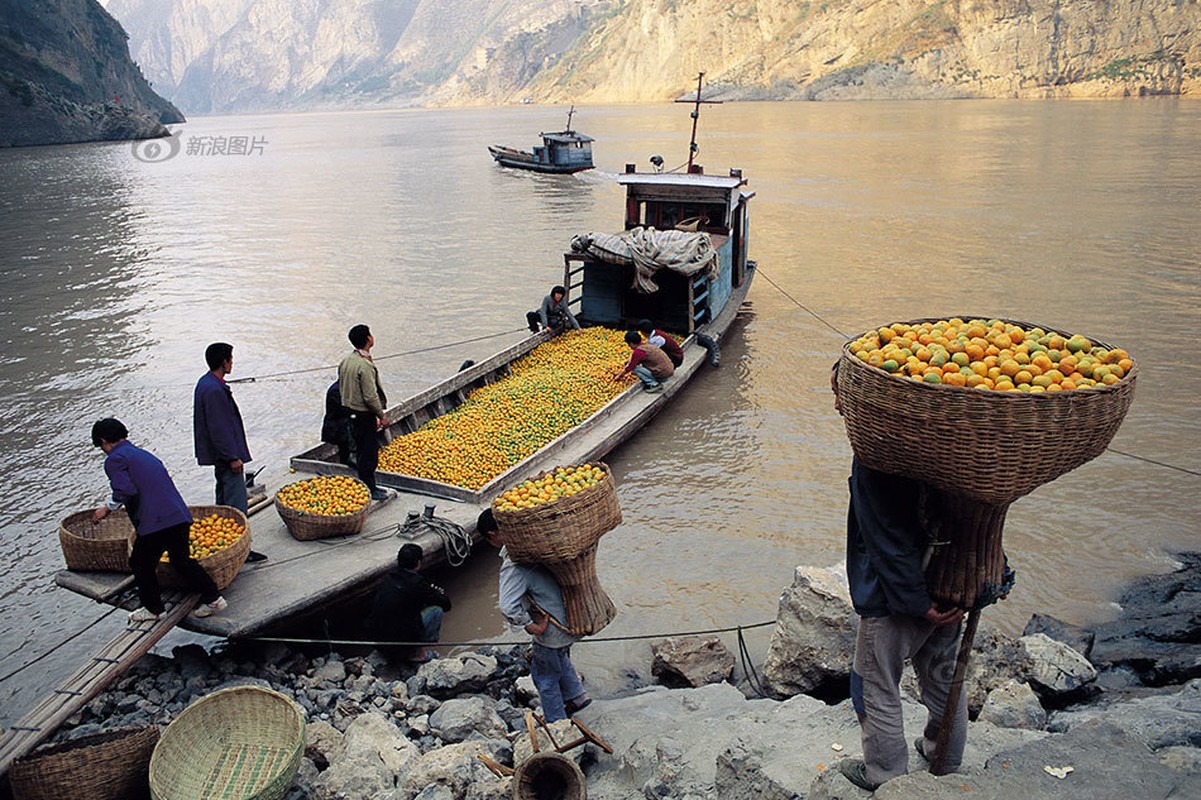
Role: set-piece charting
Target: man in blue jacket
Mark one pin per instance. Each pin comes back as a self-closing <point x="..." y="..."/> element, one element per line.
<point x="218" y="431"/>
<point x="217" y="428"/>
<point x="891" y="524"/>
<point x="160" y="517"/>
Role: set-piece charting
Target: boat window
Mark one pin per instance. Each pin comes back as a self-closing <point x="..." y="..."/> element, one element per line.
<point x="667" y="215"/>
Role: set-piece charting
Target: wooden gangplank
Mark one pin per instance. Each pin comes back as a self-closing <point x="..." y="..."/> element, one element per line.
<point x="89" y="680"/>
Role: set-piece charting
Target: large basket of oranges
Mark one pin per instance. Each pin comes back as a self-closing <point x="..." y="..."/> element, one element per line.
<point x="96" y="546"/>
<point x="556" y="519"/>
<point x="219" y="540"/>
<point x="970" y="428"/>
<point x="558" y="514"/>
<point x="325" y="506"/>
<point x="244" y="742"/>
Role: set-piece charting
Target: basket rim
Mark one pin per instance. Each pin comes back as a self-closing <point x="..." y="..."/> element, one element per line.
<point x="608" y="474"/>
<point x="88" y="741"/>
<point x="1002" y="396"/>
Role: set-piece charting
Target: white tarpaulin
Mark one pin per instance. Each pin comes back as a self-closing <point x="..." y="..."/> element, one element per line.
<point x="651" y="250"/>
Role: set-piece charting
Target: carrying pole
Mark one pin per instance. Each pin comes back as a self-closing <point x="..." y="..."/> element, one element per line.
<point x="937" y="766"/>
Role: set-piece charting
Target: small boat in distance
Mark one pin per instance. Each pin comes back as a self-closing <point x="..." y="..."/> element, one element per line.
<point x="562" y="152"/>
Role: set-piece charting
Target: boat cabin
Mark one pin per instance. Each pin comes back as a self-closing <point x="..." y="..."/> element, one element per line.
<point x="565" y="149"/>
<point x="606" y="293"/>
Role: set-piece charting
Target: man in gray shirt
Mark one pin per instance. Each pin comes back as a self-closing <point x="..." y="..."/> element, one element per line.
<point x="530" y="599"/>
<point x="553" y="315"/>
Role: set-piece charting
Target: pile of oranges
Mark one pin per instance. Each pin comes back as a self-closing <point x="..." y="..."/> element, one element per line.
<point x="212" y="534"/>
<point x="562" y="482"/>
<point x="555" y="387"/>
<point x="332" y="495"/>
<point x="991" y="354"/>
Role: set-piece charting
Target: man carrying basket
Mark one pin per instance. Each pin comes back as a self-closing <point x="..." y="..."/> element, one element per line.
<point x="530" y="598"/>
<point x="891" y="523"/>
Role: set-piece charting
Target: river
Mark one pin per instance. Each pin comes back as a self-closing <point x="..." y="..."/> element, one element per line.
<point x="276" y="233"/>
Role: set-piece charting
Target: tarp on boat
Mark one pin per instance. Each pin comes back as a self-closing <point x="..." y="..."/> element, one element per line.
<point x="651" y="250"/>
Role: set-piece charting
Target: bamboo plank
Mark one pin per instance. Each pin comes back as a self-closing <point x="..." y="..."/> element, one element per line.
<point x="85" y="683"/>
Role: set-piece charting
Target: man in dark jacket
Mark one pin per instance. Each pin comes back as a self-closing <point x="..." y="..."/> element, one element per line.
<point x="408" y="607"/>
<point x="217" y="428"/>
<point x="891" y="523"/>
<point x="335" y="426"/>
<point x="161" y="518"/>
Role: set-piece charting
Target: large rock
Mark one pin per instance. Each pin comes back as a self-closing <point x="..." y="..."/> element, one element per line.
<point x="1059" y="673"/>
<point x="1079" y="639"/>
<point x="464" y="717"/>
<point x="458" y="768"/>
<point x="1170" y="719"/>
<point x="322" y="743"/>
<point x="446" y="677"/>
<point x="1014" y="705"/>
<point x="996" y="659"/>
<point x="714" y="743"/>
<point x="1158" y="636"/>
<point x="372" y="753"/>
<point x="813" y="642"/>
<point x="691" y="661"/>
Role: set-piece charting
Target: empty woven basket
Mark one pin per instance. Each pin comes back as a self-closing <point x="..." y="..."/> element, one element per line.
<point x="242" y="743"/>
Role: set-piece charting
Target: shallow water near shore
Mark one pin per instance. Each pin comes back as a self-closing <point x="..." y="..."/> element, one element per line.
<point x="117" y="271"/>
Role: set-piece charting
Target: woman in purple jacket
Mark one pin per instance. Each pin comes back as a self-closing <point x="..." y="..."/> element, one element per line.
<point x="161" y="518"/>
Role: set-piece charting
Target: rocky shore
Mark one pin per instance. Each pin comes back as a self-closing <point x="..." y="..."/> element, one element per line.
<point x="1061" y="712"/>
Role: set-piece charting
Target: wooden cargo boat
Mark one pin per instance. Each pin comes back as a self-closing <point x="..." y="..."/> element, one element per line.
<point x="562" y="152"/>
<point x="303" y="576"/>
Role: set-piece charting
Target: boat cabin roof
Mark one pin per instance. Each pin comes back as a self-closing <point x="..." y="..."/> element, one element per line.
<point x="566" y="137"/>
<point x="722" y="182"/>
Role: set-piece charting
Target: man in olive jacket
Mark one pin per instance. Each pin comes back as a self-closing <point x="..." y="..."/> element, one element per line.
<point x="363" y="396"/>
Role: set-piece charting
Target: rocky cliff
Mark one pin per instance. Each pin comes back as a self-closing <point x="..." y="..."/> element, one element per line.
<point x="229" y="55"/>
<point x="66" y="76"/>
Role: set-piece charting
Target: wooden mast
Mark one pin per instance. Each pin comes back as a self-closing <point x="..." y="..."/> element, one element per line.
<point x="696" y="112"/>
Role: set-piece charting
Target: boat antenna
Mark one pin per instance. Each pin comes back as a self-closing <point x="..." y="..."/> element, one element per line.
<point x="570" y="111"/>
<point x="696" y="112"/>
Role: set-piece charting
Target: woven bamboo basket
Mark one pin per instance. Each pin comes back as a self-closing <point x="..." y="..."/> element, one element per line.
<point x="562" y="536"/>
<point x="305" y="526"/>
<point x="90" y="546"/>
<point x="222" y="566"/>
<point x="244" y="742"/>
<point x="112" y="765"/>
<point x="983" y="449"/>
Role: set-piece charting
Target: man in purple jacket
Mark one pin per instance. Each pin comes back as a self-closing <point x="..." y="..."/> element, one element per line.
<point x="161" y="518"/>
